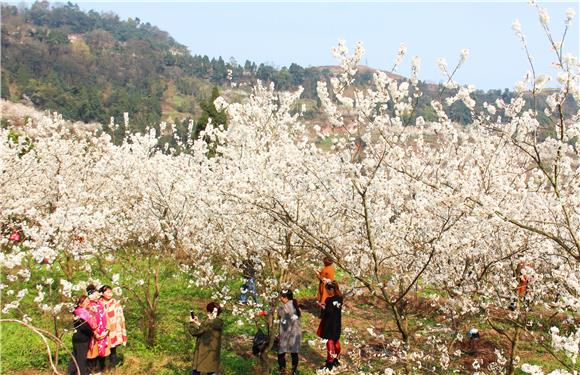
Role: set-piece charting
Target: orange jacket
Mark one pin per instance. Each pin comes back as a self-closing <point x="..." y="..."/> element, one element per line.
<point x="326" y="273"/>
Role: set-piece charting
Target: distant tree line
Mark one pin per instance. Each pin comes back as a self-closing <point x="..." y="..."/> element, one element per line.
<point x="92" y="66"/>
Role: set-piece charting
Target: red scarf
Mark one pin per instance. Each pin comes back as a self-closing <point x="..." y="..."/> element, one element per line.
<point x="87" y="316"/>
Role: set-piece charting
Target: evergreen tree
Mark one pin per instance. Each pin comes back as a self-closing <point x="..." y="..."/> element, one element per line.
<point x="209" y="111"/>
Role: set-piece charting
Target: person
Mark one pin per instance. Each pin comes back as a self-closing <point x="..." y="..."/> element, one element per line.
<point x="248" y="287"/>
<point x="325" y="276"/>
<point x="84" y="324"/>
<point x="290" y="331"/>
<point x="208" y="334"/>
<point x="115" y="322"/>
<point x="522" y="278"/>
<point x="99" y="347"/>
<point x="331" y="324"/>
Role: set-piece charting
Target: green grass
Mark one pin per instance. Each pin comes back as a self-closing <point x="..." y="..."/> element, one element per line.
<point x="23" y="352"/>
<point x="21" y="348"/>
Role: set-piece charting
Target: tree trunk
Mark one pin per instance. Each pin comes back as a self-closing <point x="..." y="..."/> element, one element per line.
<point x="510" y="370"/>
<point x="150" y="328"/>
<point x="263" y="361"/>
<point x="151" y="310"/>
<point x="402" y="324"/>
<point x="403" y="327"/>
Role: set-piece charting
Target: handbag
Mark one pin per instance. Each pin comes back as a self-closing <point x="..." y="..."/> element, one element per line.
<point x="93" y="349"/>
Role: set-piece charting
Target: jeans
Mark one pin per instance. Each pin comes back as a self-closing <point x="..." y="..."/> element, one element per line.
<point x="248" y="288"/>
<point x="97" y="364"/>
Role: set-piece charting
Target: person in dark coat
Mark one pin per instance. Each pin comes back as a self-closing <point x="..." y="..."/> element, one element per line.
<point x="206" y="356"/>
<point x="84" y="325"/>
<point x="331" y="324"/>
<point x="290" y="331"/>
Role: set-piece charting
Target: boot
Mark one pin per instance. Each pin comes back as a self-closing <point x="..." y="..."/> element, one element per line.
<point x="327" y="366"/>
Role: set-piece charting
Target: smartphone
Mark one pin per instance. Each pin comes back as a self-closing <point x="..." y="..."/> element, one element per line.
<point x="192" y="314"/>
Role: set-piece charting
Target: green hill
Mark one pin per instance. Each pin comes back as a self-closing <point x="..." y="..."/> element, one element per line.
<point x="92" y="66"/>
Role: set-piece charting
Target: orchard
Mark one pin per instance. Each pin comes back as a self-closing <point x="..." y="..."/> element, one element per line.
<point x="437" y="230"/>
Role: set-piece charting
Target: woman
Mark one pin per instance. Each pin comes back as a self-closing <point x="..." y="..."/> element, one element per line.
<point x="115" y="322"/>
<point x="290" y="331"/>
<point x="331" y="324"/>
<point x="206" y="356"/>
<point x="325" y="276"/>
<point x="522" y="278"/>
<point x="84" y="324"/>
<point x="99" y="348"/>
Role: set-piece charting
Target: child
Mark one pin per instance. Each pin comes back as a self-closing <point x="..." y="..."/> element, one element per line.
<point x="249" y="286"/>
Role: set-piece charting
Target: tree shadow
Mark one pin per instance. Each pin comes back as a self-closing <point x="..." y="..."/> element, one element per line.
<point x="311" y="358"/>
<point x="309" y="305"/>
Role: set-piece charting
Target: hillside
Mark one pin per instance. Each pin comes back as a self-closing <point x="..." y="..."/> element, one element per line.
<point x="92" y="66"/>
<point x="86" y="66"/>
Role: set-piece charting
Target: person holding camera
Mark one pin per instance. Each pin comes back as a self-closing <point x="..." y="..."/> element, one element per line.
<point x="208" y="334"/>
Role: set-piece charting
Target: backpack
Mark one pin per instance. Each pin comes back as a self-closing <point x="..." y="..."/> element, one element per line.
<point x="259" y="343"/>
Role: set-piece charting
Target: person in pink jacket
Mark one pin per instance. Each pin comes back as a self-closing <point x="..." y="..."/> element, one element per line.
<point x="84" y="324"/>
<point x="99" y="348"/>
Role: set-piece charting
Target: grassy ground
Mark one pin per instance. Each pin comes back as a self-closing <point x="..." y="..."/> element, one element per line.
<point x="22" y="352"/>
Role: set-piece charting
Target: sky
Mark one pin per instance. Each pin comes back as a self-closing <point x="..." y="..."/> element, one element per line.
<point x="280" y="33"/>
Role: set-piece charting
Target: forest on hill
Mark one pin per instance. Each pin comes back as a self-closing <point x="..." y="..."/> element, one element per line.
<point x="92" y="66"/>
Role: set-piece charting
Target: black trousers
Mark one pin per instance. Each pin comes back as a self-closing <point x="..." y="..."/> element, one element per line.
<point x="113" y="357"/>
<point x="97" y="364"/>
<point x="80" y="350"/>
<point x="282" y="361"/>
